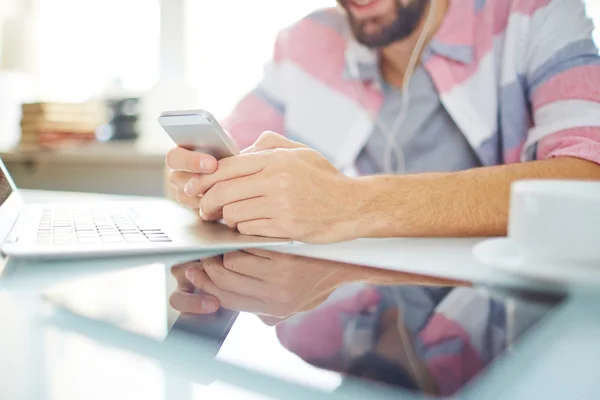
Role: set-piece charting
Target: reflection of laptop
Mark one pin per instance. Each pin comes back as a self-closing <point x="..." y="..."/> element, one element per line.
<point x="107" y="229"/>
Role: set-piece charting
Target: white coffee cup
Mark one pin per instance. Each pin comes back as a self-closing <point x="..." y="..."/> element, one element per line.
<point x="556" y="222"/>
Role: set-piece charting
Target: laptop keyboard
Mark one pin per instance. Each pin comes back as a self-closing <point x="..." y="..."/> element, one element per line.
<point x="91" y="226"/>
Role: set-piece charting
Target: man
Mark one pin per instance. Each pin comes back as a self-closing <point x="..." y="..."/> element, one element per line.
<point x="499" y="81"/>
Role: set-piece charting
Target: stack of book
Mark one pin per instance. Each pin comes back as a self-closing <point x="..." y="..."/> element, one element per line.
<point x="60" y="124"/>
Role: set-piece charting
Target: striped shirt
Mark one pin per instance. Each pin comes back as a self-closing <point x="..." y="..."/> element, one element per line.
<point x="520" y="78"/>
<point x="428" y="141"/>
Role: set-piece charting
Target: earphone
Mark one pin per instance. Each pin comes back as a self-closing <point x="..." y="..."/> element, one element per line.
<point x="391" y="133"/>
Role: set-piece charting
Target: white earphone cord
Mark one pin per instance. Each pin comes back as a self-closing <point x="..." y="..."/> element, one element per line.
<point x="390" y="134"/>
<point x="406" y="342"/>
<point x="412" y="64"/>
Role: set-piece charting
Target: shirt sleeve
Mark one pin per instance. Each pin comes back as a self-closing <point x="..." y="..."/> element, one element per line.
<point x="263" y="108"/>
<point x="563" y="74"/>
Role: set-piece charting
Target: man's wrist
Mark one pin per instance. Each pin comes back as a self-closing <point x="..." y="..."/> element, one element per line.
<point x="375" y="207"/>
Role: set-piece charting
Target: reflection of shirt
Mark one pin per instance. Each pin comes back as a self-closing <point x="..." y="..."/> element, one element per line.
<point x="456" y="332"/>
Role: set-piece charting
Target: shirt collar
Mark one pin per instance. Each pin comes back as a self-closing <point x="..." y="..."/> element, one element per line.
<point x="454" y="41"/>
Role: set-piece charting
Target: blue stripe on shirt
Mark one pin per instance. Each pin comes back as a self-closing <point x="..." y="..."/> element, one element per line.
<point x="577" y="54"/>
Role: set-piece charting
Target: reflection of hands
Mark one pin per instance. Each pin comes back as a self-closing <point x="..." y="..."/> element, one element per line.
<point x="279" y="188"/>
<point x="274" y="285"/>
<point x="185" y="299"/>
<point x="258" y="281"/>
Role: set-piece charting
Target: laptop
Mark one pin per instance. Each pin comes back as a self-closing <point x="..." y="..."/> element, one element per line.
<point x="85" y="230"/>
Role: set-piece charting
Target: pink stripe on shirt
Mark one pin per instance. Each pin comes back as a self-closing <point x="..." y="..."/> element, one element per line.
<point x="451" y="371"/>
<point x="330" y="72"/>
<point x="578" y="142"/>
<point x="252" y="117"/>
<point x="570" y="84"/>
<point x="529" y="7"/>
<point x="494" y="16"/>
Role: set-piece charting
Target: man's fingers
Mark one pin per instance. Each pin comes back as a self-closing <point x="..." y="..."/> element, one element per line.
<point x="262" y="227"/>
<point x="183" y="283"/>
<point x="241" y="262"/>
<point x="246" y="210"/>
<point x="242" y="211"/>
<point x="228" y="300"/>
<point x="231" y="191"/>
<point x="233" y="282"/>
<point x="194" y="303"/>
<point x="180" y="159"/>
<point x="187" y="201"/>
<point x="179" y="179"/>
<point x="229" y="168"/>
<point x="267" y="254"/>
<point x="271" y="321"/>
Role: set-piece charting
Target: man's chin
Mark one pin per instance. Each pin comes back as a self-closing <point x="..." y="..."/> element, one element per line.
<point x="372" y="38"/>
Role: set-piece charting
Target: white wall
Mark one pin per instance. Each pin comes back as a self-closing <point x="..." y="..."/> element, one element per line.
<point x="593" y="8"/>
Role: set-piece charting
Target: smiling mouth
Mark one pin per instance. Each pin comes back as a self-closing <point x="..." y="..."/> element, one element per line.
<point x="362" y="4"/>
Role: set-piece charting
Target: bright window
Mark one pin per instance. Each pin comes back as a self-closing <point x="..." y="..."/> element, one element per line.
<point x="84" y="45"/>
<point x="230" y="41"/>
<point x="593" y="8"/>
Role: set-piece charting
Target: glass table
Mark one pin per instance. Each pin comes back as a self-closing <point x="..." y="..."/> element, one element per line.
<point x="113" y="329"/>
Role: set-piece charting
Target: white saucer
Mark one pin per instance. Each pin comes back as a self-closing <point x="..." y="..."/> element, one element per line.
<point x="502" y="254"/>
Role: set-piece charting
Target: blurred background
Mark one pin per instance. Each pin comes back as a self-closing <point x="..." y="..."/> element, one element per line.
<point x="139" y="57"/>
<point x="127" y="60"/>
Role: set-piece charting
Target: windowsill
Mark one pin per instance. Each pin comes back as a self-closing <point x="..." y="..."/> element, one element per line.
<point x="121" y="153"/>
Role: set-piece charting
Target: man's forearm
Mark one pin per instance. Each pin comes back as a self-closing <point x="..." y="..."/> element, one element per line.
<point x="468" y="203"/>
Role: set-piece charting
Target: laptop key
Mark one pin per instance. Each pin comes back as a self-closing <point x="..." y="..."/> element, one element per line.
<point x="90" y="240"/>
<point x="63" y="242"/>
<point x="86" y="235"/>
<point x="135" y="238"/>
<point x="109" y="233"/>
<point x="112" y="239"/>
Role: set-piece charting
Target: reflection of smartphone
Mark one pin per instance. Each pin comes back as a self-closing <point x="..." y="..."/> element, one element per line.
<point x="213" y="327"/>
<point x="198" y="130"/>
<point x="116" y="299"/>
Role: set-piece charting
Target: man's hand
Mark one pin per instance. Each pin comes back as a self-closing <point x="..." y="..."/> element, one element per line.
<point x="182" y="165"/>
<point x="258" y="281"/>
<point x="279" y="188"/>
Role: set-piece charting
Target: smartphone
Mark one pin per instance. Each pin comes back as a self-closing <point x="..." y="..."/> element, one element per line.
<point x="198" y="130"/>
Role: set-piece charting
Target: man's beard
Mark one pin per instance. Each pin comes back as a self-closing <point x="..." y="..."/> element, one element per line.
<point x="404" y="23"/>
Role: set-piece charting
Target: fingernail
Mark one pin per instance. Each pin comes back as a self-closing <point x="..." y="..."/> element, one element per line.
<point x="209" y="305"/>
<point x="201" y="212"/>
<point x="207" y="164"/>
<point x="190" y="274"/>
<point x="189" y="187"/>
